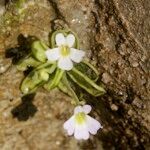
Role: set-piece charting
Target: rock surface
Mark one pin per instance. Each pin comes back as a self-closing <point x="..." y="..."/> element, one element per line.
<point x="116" y="35"/>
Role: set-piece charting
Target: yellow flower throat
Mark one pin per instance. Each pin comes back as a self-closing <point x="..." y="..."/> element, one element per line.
<point x="80" y="118"/>
<point x="65" y="50"/>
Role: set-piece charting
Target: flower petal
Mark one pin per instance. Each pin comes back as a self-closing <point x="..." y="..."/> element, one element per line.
<point x="93" y="125"/>
<point x="69" y="125"/>
<point x="77" y="55"/>
<point x="52" y="54"/>
<point x="60" y="39"/>
<point x="81" y="132"/>
<point x="65" y="63"/>
<point x="70" y="40"/>
<point x="87" y="109"/>
<point x="78" y="109"/>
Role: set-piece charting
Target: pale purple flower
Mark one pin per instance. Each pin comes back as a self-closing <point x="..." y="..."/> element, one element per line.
<point x="81" y="125"/>
<point x="65" y="53"/>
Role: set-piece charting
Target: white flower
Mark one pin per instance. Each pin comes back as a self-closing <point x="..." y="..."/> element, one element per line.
<point x="65" y="53"/>
<point x="81" y="124"/>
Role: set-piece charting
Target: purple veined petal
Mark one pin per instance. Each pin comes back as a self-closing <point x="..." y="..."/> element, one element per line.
<point x="93" y="125"/>
<point x="60" y="39"/>
<point x="69" y="126"/>
<point x="77" y="55"/>
<point x="78" y="109"/>
<point x="65" y="63"/>
<point x="87" y="109"/>
<point x="52" y="54"/>
<point x="70" y="40"/>
<point x="81" y="132"/>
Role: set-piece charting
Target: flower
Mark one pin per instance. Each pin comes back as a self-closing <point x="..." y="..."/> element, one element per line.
<point x="65" y="53"/>
<point x="81" y="124"/>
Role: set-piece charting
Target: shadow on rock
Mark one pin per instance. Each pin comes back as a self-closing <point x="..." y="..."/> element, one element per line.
<point x="22" y="50"/>
<point x="26" y="109"/>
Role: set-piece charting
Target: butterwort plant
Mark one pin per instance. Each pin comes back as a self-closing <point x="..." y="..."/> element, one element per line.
<point x="63" y="65"/>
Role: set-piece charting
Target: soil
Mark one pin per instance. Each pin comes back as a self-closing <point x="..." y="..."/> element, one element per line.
<point x="116" y="36"/>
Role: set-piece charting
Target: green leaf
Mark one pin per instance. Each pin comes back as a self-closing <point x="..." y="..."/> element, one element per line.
<point x="49" y="66"/>
<point x="38" y="50"/>
<point x="65" y="87"/>
<point x="54" y="79"/>
<point x="87" y="69"/>
<point x="29" y="61"/>
<point x="86" y="83"/>
<point x="37" y="77"/>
